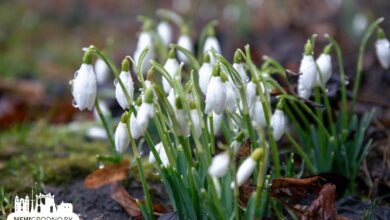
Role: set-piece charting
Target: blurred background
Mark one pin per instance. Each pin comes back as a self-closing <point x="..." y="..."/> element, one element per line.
<point x="40" y="49"/>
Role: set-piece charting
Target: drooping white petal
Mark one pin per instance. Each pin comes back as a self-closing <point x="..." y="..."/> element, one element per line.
<point x="239" y="67"/>
<point x="219" y="165"/>
<point x="145" y="40"/>
<point x="136" y="130"/>
<point x="217" y="122"/>
<point x="172" y="99"/>
<point x="164" y="30"/>
<point x="152" y="159"/>
<point x="196" y="120"/>
<point x="211" y="43"/>
<point x="205" y="72"/>
<point x="250" y="93"/>
<point x="185" y="42"/>
<point x="102" y="71"/>
<point x="162" y="154"/>
<point x="171" y="67"/>
<point x="215" y="96"/>
<point x="308" y="74"/>
<point x="382" y="47"/>
<point x="122" y="139"/>
<point x="244" y="171"/>
<point x="231" y="101"/>
<point x="324" y="62"/>
<point x="257" y="113"/>
<point x="84" y="87"/>
<point x="129" y="86"/>
<point x="145" y="113"/>
<point x="279" y="124"/>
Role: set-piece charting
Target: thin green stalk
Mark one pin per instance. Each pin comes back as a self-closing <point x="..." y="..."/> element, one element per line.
<point x="211" y="134"/>
<point x="359" y="69"/>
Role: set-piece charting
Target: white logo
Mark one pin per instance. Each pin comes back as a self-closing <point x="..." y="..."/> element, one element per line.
<point x="42" y="208"/>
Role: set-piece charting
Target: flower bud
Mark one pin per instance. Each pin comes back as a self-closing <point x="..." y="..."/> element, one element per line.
<point x="145" y="40"/>
<point x="171" y="66"/>
<point x="216" y="93"/>
<point x="211" y="43"/>
<point x="122" y="139"/>
<point x="382" y="48"/>
<point x="102" y="71"/>
<point x="185" y="42"/>
<point x="219" y="165"/>
<point x="324" y="63"/>
<point x="127" y="81"/>
<point x="247" y="167"/>
<point x="308" y="72"/>
<point x="162" y="153"/>
<point x="205" y="74"/>
<point x="164" y="30"/>
<point x="279" y="124"/>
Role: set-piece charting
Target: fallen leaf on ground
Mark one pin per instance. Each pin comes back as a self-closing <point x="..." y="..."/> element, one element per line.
<point x="309" y="198"/>
<point x="108" y="174"/>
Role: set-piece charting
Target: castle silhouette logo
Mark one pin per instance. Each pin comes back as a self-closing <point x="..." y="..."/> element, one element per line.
<point x="42" y="207"/>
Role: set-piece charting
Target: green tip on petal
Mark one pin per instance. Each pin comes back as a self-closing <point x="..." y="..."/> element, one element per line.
<point x="125" y="117"/>
<point x="178" y="103"/>
<point x="147" y="25"/>
<point x="184" y="30"/>
<point x="125" y="65"/>
<point x="150" y="75"/>
<point x="380" y="33"/>
<point x="192" y="105"/>
<point x="172" y="53"/>
<point x="87" y="58"/>
<point x="206" y="58"/>
<point x="240" y="136"/>
<point x="328" y="49"/>
<point x="280" y="104"/>
<point x="224" y="77"/>
<point x="149" y="95"/>
<point x="257" y="154"/>
<point x="217" y="69"/>
<point x="211" y="32"/>
<point x="139" y="101"/>
<point x="308" y="48"/>
<point x="237" y="57"/>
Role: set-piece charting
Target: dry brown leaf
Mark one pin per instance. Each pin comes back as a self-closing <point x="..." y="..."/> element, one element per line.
<point x="121" y="196"/>
<point x="108" y="174"/>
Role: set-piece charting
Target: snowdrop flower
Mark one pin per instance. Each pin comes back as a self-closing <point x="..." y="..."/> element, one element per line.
<point x="181" y="118"/>
<point x="247" y="167"/>
<point x="382" y="47"/>
<point x="231" y="100"/>
<point x="164" y="30"/>
<point x="195" y="119"/>
<point x="257" y="113"/>
<point x="250" y="93"/>
<point x="122" y="139"/>
<point x="127" y="81"/>
<point x="238" y="65"/>
<point x="278" y="122"/>
<point x="185" y="42"/>
<point x="172" y="99"/>
<point x="308" y="72"/>
<point x="102" y="71"/>
<point x="324" y="62"/>
<point x="211" y="43"/>
<point x="145" y="40"/>
<point x="205" y="72"/>
<point x="162" y="154"/>
<point x="219" y="165"/>
<point x="84" y="84"/>
<point x="146" y="110"/>
<point x="136" y="130"/>
<point x="171" y="66"/>
<point x="216" y="92"/>
<point x="217" y="122"/>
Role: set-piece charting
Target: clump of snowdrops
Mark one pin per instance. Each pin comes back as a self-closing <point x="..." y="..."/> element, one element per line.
<point x="203" y="108"/>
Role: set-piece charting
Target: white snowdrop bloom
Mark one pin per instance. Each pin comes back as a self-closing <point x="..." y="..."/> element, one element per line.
<point x="105" y="111"/>
<point x="211" y="43"/>
<point x="217" y="122"/>
<point x="382" y="48"/>
<point x="185" y="42"/>
<point x="102" y="71"/>
<point x="231" y="100"/>
<point x="278" y="124"/>
<point x="216" y="92"/>
<point x="127" y="81"/>
<point x="247" y="167"/>
<point x="219" y="165"/>
<point x="84" y="85"/>
<point x="122" y="139"/>
<point x="145" y="40"/>
<point x="324" y="62"/>
<point x="152" y="159"/>
<point x="196" y="121"/>
<point x="136" y="130"/>
<point x="146" y="110"/>
<point x="171" y="66"/>
<point x="308" y="72"/>
<point x="257" y="113"/>
<point x="164" y="30"/>
<point x="238" y="65"/>
<point x="205" y="72"/>
<point x="162" y="154"/>
<point x="250" y="93"/>
<point x="172" y="99"/>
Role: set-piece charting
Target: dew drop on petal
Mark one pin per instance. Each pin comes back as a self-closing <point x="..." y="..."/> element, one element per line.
<point x="76" y="74"/>
<point x="115" y="82"/>
<point x="74" y="103"/>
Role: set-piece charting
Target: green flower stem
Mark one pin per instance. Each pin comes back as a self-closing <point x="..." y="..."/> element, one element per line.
<point x="118" y="156"/>
<point x="145" y="187"/>
<point x="211" y="134"/>
<point x="362" y="47"/>
<point x="262" y="169"/>
<point x="301" y="153"/>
